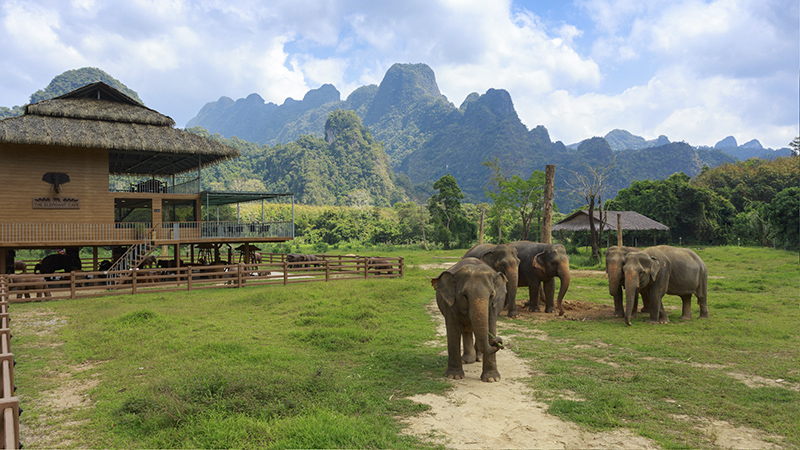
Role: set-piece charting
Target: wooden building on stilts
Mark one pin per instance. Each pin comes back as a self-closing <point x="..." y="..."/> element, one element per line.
<point x="95" y="168"/>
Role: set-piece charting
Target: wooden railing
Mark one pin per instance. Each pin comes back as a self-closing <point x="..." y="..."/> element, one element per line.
<point x="9" y="403"/>
<point x="32" y="287"/>
<point x="19" y="234"/>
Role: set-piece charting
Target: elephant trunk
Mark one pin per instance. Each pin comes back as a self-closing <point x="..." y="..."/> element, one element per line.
<point x="511" y="289"/>
<point x="479" y="316"/>
<point x="564" y="276"/>
<point x="631" y="292"/>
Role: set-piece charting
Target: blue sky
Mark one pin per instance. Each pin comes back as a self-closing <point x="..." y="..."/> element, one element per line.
<point x="694" y="70"/>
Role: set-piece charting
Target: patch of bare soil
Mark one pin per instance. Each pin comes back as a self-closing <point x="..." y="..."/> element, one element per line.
<point x="727" y="436"/>
<point x="51" y="426"/>
<point x="477" y="415"/>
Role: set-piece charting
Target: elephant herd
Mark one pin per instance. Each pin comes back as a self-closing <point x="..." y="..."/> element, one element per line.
<point x="472" y="293"/>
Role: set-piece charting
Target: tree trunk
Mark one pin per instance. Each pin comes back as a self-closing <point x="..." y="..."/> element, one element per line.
<point x="547" y="214"/>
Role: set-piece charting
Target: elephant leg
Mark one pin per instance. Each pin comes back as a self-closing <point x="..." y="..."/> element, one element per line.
<point x="619" y="304"/>
<point x="703" y="303"/>
<point x="657" y="312"/>
<point x="533" y="292"/>
<point x="549" y="294"/>
<point x="454" y="370"/>
<point x="471" y="354"/>
<point x="490" y="373"/>
<point x="645" y="304"/>
<point x="686" y="314"/>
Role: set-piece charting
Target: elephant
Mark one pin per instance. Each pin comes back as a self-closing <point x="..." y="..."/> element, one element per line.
<point x="538" y="265"/>
<point x="380" y="265"/>
<point x="30" y="284"/>
<point x="149" y="262"/>
<point x="57" y="261"/>
<point x="470" y="296"/>
<point x="615" y="260"/>
<point x="296" y="257"/>
<point x="502" y="258"/>
<point x="20" y="266"/>
<point x="657" y="271"/>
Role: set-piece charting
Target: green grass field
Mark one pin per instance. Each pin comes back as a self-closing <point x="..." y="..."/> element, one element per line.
<point x="329" y="365"/>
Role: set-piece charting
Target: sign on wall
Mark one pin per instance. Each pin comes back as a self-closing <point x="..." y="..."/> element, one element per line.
<point x="56" y="203"/>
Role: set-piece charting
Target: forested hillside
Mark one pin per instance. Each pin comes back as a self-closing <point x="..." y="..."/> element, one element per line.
<point x="347" y="167"/>
<point x="69" y="81"/>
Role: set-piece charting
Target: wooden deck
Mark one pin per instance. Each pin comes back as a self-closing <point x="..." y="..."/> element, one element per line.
<point x="57" y="235"/>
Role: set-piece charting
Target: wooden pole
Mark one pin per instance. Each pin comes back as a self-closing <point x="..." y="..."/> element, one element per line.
<point x="547" y="214"/>
<point x="619" y="229"/>
<point x="480" y="228"/>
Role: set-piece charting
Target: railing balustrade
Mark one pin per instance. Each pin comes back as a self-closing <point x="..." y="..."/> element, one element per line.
<point x="21" y="233"/>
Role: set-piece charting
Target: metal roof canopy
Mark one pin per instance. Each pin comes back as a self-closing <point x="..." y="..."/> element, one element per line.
<point x="211" y="198"/>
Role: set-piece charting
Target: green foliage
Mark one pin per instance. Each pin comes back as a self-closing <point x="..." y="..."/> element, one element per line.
<point x="783" y="213"/>
<point x="693" y="213"/>
<point x="448" y="218"/>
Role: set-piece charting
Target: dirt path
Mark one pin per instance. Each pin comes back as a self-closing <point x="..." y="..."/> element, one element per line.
<point x="477" y="415"/>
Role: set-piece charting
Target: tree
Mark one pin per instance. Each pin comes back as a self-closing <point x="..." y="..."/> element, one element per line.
<point x="783" y="215"/>
<point x="494" y="188"/>
<point x="590" y="185"/>
<point x="795" y="146"/>
<point x="447" y="215"/>
<point x="523" y="196"/>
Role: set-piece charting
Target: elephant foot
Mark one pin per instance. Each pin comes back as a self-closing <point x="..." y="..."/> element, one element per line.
<point x="490" y="376"/>
<point x="470" y="359"/>
<point x="618" y="314"/>
<point x="513" y="315"/>
<point x="550" y="309"/>
<point x="454" y="374"/>
<point x="704" y="315"/>
<point x="657" y="322"/>
<point x="685" y="317"/>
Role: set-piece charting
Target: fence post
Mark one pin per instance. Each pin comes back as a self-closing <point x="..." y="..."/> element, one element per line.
<point x="133" y="281"/>
<point x="239" y="269"/>
<point x="366" y="267"/>
<point x="401" y="267"/>
<point x="327" y="270"/>
<point x="285" y="272"/>
<point x="188" y="278"/>
<point x="72" y="285"/>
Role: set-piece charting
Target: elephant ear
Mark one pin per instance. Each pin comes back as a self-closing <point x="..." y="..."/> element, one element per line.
<point x="500" y="282"/>
<point x="655" y="267"/>
<point x="488" y="258"/>
<point x="538" y="262"/>
<point x="445" y="286"/>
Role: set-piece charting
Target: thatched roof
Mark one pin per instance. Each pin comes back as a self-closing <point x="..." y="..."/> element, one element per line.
<point x="631" y="220"/>
<point x="140" y="141"/>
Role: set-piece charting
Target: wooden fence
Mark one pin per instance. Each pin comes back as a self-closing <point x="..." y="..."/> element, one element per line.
<point x="9" y="403"/>
<point x="274" y="269"/>
<point x="24" y="287"/>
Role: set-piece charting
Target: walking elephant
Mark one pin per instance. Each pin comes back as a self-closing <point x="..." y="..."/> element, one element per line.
<point x="502" y="258"/>
<point x="615" y="260"/>
<point x="539" y="264"/>
<point x="470" y="296"/>
<point x="661" y="270"/>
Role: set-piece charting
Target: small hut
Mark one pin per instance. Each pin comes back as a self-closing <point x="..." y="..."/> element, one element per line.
<point x="629" y="220"/>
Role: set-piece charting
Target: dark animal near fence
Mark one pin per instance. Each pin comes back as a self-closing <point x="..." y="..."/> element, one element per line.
<point x="52" y="263"/>
<point x="297" y="257"/>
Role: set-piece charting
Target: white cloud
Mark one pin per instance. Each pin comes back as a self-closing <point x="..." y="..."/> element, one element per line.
<point x="691" y="69"/>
